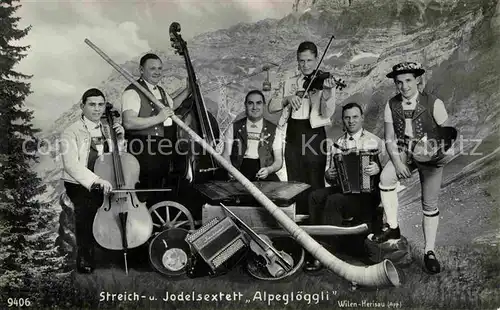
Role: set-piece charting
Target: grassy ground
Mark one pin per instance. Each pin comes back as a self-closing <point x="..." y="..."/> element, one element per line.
<point x="470" y="280"/>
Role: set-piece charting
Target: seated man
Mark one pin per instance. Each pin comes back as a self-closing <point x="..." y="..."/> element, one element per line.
<point x="332" y="207"/>
<point x="81" y="145"/>
<point x="253" y="144"/>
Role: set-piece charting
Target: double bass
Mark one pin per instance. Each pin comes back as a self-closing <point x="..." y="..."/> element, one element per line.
<point x="199" y="166"/>
<point x="122" y="222"/>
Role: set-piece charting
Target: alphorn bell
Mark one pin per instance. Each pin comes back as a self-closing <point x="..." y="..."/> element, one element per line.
<point x="381" y="274"/>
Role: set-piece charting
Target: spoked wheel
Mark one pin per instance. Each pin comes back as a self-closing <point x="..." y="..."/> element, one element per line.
<point x="170" y="214"/>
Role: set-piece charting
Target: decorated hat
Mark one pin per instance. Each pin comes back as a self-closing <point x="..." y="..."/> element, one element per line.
<point x="406" y="67"/>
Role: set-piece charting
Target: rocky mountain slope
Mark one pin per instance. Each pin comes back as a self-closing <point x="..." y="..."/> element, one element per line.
<point x="456" y="40"/>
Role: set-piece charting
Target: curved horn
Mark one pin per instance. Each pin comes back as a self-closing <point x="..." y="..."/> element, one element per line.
<point x="381" y="274"/>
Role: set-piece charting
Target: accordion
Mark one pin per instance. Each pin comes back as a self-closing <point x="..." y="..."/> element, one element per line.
<point x="350" y="173"/>
<point x="216" y="242"/>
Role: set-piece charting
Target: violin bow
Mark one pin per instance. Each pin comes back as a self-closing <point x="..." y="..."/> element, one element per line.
<point x="317" y="66"/>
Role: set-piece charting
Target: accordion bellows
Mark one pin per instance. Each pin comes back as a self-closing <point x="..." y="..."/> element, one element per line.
<point x="217" y="241"/>
<point x="350" y="167"/>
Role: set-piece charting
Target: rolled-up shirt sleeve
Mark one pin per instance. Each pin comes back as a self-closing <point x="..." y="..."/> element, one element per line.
<point x="278" y="139"/>
<point x="131" y="101"/>
<point x="388" y="114"/>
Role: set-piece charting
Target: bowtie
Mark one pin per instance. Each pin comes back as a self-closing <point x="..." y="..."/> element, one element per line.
<point x="253" y="126"/>
<point x="351" y="139"/>
<point x="408" y="102"/>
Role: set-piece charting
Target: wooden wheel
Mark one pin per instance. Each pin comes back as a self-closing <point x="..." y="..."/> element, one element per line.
<point x="170" y="214"/>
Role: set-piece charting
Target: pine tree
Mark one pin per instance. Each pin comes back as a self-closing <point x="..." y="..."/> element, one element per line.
<point x="22" y="218"/>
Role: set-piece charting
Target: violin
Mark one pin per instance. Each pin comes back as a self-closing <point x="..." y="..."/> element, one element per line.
<point x="277" y="263"/>
<point x="314" y="81"/>
<point x="122" y="222"/>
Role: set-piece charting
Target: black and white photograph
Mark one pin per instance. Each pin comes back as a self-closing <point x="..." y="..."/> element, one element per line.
<point x="249" y="154"/>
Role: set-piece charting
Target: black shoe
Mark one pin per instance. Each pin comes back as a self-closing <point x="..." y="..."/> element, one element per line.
<point x="431" y="262"/>
<point x="387" y="234"/>
<point x="314" y="265"/>
<point x="85" y="261"/>
<point x="348" y="222"/>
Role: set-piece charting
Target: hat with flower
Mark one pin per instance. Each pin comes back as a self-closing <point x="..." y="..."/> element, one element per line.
<point x="406" y="67"/>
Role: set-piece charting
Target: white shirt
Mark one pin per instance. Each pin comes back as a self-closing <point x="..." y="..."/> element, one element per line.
<point x="95" y="132"/>
<point x="305" y="109"/>
<point x="361" y="140"/>
<point x="132" y="101"/>
<point x="254" y="131"/>
<point x="439" y="113"/>
<point x="349" y="141"/>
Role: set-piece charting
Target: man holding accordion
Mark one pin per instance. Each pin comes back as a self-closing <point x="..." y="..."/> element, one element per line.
<point x="353" y="172"/>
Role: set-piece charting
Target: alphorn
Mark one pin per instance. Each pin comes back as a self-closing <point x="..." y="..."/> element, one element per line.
<point x="316" y="230"/>
<point x="381" y="274"/>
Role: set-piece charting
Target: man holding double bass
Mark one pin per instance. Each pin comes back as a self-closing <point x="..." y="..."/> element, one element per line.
<point x="150" y="132"/>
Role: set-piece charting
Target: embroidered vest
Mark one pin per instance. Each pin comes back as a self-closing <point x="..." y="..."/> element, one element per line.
<point x="423" y="122"/>
<point x="148" y="109"/>
<point x="265" y="149"/>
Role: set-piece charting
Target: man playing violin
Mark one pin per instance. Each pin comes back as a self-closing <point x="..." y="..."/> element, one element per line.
<point x="410" y="116"/>
<point x="329" y="206"/>
<point x="81" y="145"/>
<point x="253" y="144"/>
<point x="150" y="132"/>
<point x="304" y="115"/>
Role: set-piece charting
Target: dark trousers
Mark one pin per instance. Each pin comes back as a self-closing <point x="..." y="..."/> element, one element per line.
<point x="156" y="160"/>
<point x="329" y="206"/>
<point x="357" y="208"/>
<point x="85" y="205"/>
<point x="317" y="203"/>
<point x="305" y="156"/>
<point x="250" y="167"/>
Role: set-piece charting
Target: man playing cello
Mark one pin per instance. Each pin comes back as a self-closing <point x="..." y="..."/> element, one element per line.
<point x="81" y="144"/>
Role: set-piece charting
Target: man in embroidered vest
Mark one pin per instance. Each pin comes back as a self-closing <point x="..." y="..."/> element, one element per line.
<point x="304" y="116"/>
<point x="410" y="116"/>
<point x="81" y="144"/>
<point x="151" y="133"/>
<point x="329" y="206"/>
<point x="253" y="144"/>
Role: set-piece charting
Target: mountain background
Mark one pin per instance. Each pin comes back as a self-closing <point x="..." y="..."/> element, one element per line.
<point x="457" y="41"/>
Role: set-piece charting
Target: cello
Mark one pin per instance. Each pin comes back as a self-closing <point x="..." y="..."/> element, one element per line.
<point x="199" y="166"/>
<point x="122" y="222"/>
